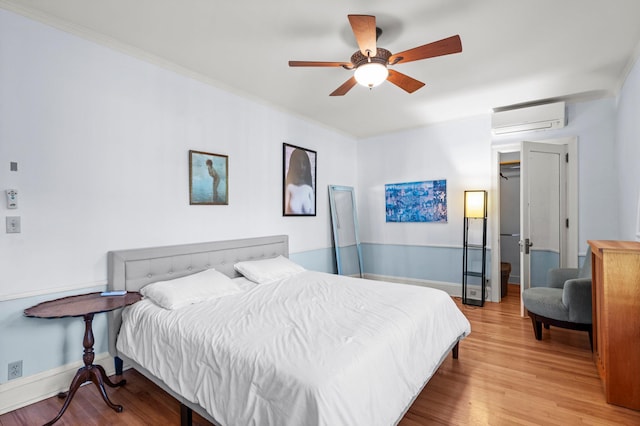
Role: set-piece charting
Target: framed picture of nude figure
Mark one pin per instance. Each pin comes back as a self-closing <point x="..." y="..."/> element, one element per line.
<point x="298" y="181"/>
<point x="208" y="178"/>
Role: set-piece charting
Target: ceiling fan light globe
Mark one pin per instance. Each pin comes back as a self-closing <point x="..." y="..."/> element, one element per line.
<point x="371" y="74"/>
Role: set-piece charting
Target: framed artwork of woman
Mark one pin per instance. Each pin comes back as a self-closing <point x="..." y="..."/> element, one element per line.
<point x="299" y="181"/>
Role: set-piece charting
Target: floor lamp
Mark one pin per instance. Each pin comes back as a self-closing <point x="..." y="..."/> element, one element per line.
<point x="474" y="253"/>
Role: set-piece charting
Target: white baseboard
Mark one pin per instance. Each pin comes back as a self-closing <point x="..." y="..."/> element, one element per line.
<point x="453" y="289"/>
<point x="24" y="391"/>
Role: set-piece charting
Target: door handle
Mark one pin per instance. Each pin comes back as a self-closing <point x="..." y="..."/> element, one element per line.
<point x="524" y="245"/>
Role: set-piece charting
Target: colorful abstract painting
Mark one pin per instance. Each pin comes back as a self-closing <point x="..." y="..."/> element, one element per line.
<point x="416" y="201"/>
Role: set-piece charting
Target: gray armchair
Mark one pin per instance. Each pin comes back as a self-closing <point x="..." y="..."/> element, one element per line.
<point x="565" y="302"/>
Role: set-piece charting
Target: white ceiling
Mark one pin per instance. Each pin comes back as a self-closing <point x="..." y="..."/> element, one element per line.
<point x="514" y="52"/>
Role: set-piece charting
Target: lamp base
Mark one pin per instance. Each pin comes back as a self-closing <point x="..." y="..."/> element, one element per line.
<point x="473" y="302"/>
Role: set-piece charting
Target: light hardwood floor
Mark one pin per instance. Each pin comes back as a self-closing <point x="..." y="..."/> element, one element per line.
<point x="502" y="377"/>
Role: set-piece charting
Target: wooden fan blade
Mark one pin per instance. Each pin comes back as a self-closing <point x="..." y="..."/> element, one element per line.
<point x="404" y="82"/>
<point x="445" y="46"/>
<point x="346" y="86"/>
<point x="364" y="28"/>
<point x="320" y="64"/>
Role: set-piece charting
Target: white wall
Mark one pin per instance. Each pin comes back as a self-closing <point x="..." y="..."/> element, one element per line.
<point x="593" y="122"/>
<point x="423" y="253"/>
<point x="628" y="154"/>
<point x="458" y="151"/>
<point x="102" y="141"/>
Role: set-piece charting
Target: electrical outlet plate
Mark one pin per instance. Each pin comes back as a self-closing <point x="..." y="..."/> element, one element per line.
<point x="13" y="225"/>
<point x="15" y="370"/>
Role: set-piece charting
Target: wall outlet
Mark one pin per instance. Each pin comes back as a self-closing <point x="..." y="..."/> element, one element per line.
<point x="15" y="370"/>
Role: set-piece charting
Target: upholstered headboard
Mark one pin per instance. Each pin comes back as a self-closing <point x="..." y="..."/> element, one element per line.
<point x="133" y="269"/>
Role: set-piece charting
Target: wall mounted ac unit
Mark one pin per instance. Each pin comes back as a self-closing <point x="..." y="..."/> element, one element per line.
<point x="539" y="117"/>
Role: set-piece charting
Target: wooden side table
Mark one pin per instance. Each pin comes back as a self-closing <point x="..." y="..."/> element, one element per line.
<point x="86" y="306"/>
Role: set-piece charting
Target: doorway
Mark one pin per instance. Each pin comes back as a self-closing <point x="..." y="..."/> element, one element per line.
<point x="568" y="250"/>
<point x="509" y="220"/>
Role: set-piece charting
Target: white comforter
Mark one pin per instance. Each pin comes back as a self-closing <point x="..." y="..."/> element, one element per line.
<point x="312" y="349"/>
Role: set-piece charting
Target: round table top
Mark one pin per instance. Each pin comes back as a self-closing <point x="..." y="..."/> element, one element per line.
<point x="81" y="305"/>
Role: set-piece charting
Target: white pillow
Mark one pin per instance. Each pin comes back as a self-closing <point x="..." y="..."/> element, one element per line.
<point x="195" y="288"/>
<point x="244" y="283"/>
<point x="267" y="270"/>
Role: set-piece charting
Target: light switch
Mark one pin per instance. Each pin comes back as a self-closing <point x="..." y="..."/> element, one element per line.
<point x="13" y="224"/>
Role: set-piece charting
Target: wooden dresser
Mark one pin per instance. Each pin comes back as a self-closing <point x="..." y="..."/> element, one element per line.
<point x="616" y="319"/>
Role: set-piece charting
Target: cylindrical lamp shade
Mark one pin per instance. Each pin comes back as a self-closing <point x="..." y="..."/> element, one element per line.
<point x="475" y="204"/>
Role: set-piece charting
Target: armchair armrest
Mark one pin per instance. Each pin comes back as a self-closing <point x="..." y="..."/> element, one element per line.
<point x="556" y="277"/>
<point x="576" y="295"/>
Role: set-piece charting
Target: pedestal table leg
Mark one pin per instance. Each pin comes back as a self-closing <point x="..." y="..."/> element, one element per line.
<point x="90" y="372"/>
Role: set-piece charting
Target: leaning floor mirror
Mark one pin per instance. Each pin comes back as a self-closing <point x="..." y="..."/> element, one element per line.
<point x="344" y="220"/>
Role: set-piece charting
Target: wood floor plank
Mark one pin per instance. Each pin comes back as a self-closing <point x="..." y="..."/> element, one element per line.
<point x="502" y="377"/>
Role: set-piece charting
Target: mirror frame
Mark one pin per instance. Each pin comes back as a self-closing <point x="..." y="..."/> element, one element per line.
<point x="334" y="225"/>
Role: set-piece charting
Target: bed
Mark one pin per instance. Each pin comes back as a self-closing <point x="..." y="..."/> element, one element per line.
<point x="304" y="347"/>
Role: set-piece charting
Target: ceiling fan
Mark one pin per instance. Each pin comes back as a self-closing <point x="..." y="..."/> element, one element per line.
<point x="371" y="62"/>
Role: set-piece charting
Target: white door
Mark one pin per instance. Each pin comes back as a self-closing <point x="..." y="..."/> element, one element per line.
<point x="543" y="210"/>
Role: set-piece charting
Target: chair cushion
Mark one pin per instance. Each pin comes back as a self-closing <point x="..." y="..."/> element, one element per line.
<point x="556" y="277"/>
<point x="546" y="302"/>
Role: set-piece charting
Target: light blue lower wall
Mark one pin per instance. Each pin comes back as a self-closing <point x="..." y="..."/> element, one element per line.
<point x="541" y="262"/>
<point x="322" y="260"/>
<point x="43" y="344"/>
<point x="443" y="264"/>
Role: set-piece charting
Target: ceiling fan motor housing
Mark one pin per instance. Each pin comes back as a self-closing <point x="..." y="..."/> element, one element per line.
<point x="381" y="57"/>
